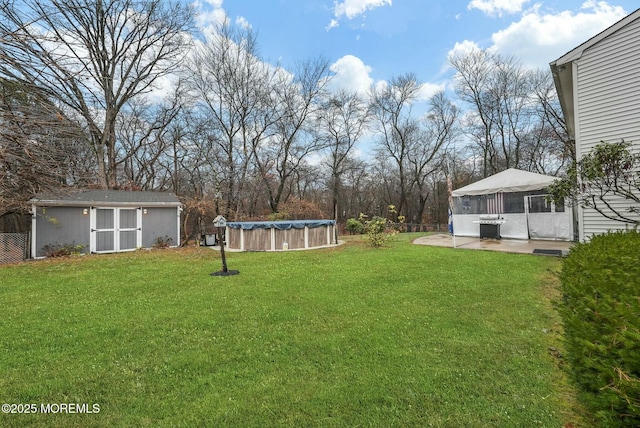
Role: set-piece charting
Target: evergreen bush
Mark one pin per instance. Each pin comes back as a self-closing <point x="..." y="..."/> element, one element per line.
<point x="601" y="316"/>
<point x="354" y="226"/>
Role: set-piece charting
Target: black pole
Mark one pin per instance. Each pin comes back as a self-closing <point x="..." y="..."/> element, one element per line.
<point x="224" y="271"/>
<point x="224" y="259"/>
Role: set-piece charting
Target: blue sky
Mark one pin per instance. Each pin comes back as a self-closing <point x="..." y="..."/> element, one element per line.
<point x="369" y="41"/>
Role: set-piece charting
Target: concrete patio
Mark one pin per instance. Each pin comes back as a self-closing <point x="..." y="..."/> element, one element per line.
<point x="506" y="245"/>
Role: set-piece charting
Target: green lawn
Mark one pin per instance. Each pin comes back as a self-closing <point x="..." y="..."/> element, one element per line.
<point x="407" y="336"/>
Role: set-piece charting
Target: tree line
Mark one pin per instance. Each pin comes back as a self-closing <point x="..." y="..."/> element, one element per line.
<point x="120" y="94"/>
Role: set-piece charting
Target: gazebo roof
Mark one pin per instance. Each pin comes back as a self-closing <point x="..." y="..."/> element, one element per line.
<point x="510" y="180"/>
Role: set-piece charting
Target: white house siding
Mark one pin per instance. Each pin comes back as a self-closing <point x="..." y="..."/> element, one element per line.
<point x="598" y="224"/>
<point x="607" y="100"/>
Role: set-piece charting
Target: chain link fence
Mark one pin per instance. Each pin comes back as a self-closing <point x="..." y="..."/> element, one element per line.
<point x="14" y="247"/>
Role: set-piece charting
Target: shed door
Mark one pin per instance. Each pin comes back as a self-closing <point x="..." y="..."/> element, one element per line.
<point x="115" y="229"/>
<point x="103" y="231"/>
<point x="129" y="230"/>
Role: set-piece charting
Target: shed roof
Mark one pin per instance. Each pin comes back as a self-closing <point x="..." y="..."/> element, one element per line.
<point x="108" y="198"/>
<point x="510" y="180"/>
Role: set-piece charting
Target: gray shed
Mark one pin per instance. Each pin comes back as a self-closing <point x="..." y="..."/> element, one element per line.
<point x="105" y="221"/>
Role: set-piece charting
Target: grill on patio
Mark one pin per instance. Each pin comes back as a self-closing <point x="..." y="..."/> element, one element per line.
<point x="490" y="225"/>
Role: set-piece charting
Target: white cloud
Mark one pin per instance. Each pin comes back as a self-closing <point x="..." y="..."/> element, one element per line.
<point x="497" y="7"/>
<point x="242" y="22"/>
<point x="351" y="74"/>
<point x="462" y="48"/>
<point x="428" y="90"/>
<point x="332" y="24"/>
<point x="210" y="14"/>
<point x="353" y="8"/>
<point x="539" y="38"/>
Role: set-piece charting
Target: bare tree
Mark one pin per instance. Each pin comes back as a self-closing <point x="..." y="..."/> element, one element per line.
<point x="297" y="101"/>
<point x="553" y="149"/>
<point x="426" y="154"/>
<point x="360" y="189"/>
<point x="341" y="122"/>
<point x="145" y="135"/>
<point x="231" y="86"/>
<point x="381" y="185"/>
<point x="93" y="57"/>
<point x="471" y="80"/>
<point x="504" y="100"/>
<point x="397" y="128"/>
<point x="38" y="147"/>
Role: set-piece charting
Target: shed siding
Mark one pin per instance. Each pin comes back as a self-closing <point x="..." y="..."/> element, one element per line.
<point x="61" y="225"/>
<point x="159" y="223"/>
<point x="607" y="98"/>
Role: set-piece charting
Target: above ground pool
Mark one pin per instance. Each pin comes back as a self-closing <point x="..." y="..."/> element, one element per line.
<point x="280" y="235"/>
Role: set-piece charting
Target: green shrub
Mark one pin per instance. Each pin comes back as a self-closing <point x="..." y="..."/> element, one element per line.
<point x="380" y="230"/>
<point x="61" y="250"/>
<point x="354" y="226"/>
<point x="601" y="317"/>
<point x="377" y="234"/>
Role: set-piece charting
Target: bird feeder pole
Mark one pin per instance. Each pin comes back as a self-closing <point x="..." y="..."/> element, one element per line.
<point x="221" y="223"/>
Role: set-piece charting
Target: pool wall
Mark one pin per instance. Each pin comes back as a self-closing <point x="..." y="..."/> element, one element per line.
<point x="280" y="235"/>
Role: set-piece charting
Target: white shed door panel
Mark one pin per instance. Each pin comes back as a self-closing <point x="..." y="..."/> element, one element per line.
<point x="115" y="229"/>
<point x="104" y="230"/>
<point x="128" y="229"/>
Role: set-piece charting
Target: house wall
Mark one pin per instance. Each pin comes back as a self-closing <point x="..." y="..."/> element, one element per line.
<point x="61" y="225"/>
<point x="607" y="102"/>
<point x="160" y="223"/>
